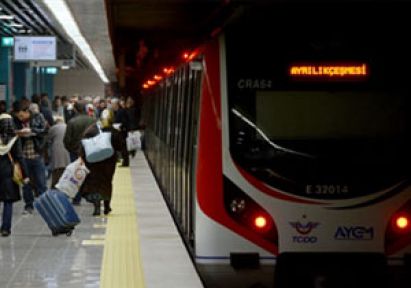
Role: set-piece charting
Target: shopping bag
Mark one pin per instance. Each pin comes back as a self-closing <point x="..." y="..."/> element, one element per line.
<point x="72" y="178"/>
<point x="98" y="148"/>
<point x="133" y="141"/>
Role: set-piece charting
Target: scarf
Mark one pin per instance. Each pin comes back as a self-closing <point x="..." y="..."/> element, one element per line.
<point x="7" y="134"/>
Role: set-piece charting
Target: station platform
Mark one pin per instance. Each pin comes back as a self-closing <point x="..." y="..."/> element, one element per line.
<point x="137" y="245"/>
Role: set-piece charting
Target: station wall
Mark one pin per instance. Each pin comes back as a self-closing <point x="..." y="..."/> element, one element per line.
<point x="81" y="82"/>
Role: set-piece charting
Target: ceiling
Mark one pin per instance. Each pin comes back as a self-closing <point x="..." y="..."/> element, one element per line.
<point x="91" y="17"/>
<point x="150" y="33"/>
<point x="31" y="19"/>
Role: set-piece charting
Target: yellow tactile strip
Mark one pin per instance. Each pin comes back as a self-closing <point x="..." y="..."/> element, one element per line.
<point x="121" y="267"/>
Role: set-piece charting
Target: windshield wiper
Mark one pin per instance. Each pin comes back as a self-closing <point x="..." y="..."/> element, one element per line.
<point x="266" y="139"/>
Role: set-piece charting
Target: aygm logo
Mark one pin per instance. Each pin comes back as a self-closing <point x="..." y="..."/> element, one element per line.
<point x="354" y="233"/>
<point x="304" y="230"/>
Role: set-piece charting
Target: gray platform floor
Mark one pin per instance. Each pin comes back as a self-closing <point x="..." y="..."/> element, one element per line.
<point x="32" y="258"/>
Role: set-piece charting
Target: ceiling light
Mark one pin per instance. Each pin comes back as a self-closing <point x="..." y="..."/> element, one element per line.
<point x="62" y="13"/>
<point x="15" y="25"/>
<point x="65" y="67"/>
<point x="6" y="17"/>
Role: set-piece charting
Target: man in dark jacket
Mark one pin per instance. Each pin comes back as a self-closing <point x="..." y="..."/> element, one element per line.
<point x="75" y="129"/>
<point x="74" y="133"/>
<point x="120" y="117"/>
<point x="32" y="129"/>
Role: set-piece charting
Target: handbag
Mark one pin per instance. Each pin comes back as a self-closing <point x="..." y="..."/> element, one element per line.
<point x="17" y="171"/>
<point x="98" y="148"/>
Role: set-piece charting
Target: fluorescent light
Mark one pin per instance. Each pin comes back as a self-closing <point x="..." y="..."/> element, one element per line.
<point x="63" y="15"/>
<point x="65" y="67"/>
<point x="6" y="17"/>
<point x="51" y="70"/>
<point x="15" y="25"/>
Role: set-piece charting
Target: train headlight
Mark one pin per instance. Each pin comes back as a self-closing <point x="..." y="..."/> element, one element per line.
<point x="260" y="222"/>
<point x="402" y="222"/>
<point x="398" y="230"/>
<point x="250" y="217"/>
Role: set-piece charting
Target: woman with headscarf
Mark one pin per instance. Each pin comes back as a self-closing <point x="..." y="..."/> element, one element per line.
<point x="98" y="185"/>
<point x="10" y="151"/>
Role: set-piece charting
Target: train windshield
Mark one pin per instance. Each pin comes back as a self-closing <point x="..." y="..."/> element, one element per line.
<point x="311" y="133"/>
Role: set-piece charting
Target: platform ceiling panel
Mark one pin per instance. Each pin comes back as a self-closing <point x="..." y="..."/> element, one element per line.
<point x="29" y="18"/>
<point x="91" y="17"/>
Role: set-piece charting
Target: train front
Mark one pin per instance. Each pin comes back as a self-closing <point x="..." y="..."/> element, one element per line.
<point x="315" y="131"/>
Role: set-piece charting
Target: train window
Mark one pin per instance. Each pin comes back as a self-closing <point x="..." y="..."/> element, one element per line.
<point x="329" y="114"/>
<point x="317" y="137"/>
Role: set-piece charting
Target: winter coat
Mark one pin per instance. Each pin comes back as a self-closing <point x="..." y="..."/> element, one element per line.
<point x="9" y="191"/>
<point x="98" y="184"/>
<point x="74" y="132"/>
<point x="120" y="116"/>
<point x="133" y="117"/>
<point x="60" y="157"/>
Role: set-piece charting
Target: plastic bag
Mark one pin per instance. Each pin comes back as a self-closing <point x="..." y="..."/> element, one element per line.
<point x="133" y="141"/>
<point x="72" y="178"/>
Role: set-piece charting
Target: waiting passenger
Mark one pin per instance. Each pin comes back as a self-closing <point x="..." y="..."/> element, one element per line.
<point x="46" y="111"/>
<point x="120" y="118"/>
<point x="67" y="109"/>
<point x="57" y="107"/>
<point x="32" y="129"/>
<point x="10" y="150"/>
<point x="133" y="118"/>
<point x="59" y="155"/>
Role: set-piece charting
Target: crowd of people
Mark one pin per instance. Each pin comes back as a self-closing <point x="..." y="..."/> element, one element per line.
<point x="45" y="138"/>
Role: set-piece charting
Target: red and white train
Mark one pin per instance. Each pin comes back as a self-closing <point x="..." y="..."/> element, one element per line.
<point x="289" y="132"/>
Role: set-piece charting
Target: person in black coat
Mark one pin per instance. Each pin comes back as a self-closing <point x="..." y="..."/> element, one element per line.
<point x="120" y="117"/>
<point x="133" y="118"/>
<point x="98" y="185"/>
<point x="9" y="190"/>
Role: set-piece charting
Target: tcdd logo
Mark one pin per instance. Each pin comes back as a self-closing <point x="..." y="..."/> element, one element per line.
<point x="354" y="233"/>
<point x="304" y="230"/>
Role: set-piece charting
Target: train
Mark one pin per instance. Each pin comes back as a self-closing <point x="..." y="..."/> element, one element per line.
<point x="287" y="133"/>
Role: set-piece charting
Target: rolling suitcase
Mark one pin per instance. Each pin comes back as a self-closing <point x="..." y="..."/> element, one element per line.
<point x="55" y="208"/>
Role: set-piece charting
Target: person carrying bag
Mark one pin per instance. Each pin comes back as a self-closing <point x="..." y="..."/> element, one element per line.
<point x="98" y="147"/>
<point x="10" y="155"/>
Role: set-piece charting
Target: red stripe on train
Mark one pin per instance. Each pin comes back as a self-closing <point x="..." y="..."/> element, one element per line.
<point x="209" y="172"/>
